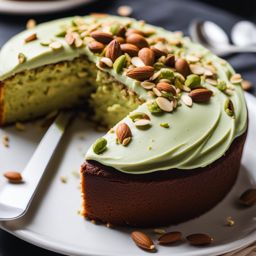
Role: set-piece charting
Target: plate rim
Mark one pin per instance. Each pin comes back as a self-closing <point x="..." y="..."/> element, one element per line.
<point x="39" y="7"/>
<point x="53" y="245"/>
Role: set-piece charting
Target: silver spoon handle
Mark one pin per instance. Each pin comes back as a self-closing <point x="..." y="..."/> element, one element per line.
<point x="235" y="49"/>
<point x="19" y="196"/>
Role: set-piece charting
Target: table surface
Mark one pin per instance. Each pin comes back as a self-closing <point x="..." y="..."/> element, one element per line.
<point x="168" y="15"/>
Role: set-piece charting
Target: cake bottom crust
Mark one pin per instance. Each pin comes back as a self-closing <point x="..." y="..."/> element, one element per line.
<point x="160" y="198"/>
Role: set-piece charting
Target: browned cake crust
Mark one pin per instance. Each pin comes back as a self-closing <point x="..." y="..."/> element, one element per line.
<point x="160" y="198"/>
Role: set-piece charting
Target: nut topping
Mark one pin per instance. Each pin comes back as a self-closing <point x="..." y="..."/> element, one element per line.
<point x="113" y="50"/>
<point x="182" y="67"/>
<point x="137" y="40"/>
<point x="123" y="132"/>
<point x="147" y="56"/>
<point x="102" y="37"/>
<point x="141" y="73"/>
<point x="164" y="104"/>
<point x="131" y="49"/>
<point x="200" y="95"/>
<point x="96" y="47"/>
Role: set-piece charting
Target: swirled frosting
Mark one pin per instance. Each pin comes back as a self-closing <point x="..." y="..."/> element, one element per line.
<point x="196" y="137"/>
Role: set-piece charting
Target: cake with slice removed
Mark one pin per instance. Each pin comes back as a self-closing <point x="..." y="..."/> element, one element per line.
<point x="178" y="113"/>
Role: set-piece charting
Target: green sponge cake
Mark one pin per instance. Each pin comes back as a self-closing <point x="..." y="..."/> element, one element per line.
<point x="177" y="113"/>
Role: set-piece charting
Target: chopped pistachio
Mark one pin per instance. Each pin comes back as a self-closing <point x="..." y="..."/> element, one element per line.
<point x="138" y="115"/>
<point x="229" y="107"/>
<point x="193" y="81"/>
<point x="114" y="29"/>
<point x="100" y="146"/>
<point x="222" y="85"/>
<point x="22" y="58"/>
<point x="6" y="141"/>
<point x="230" y="222"/>
<point x="63" y="179"/>
<point x="153" y="108"/>
<point x="45" y="42"/>
<point x="119" y="63"/>
<point x="165" y="125"/>
<point x="61" y="33"/>
<point x="166" y="73"/>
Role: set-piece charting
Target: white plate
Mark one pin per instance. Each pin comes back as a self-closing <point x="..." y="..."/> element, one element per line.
<point x="36" y="7"/>
<point x="53" y="222"/>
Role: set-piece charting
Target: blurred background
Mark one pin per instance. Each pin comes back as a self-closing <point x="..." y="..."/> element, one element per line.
<point x="183" y="15"/>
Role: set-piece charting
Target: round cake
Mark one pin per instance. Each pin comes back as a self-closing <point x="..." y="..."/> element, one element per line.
<point x="176" y="113"/>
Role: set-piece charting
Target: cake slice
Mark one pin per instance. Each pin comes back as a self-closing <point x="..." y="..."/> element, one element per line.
<point x="177" y="113"/>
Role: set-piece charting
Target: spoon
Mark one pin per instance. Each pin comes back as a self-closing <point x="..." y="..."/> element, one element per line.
<point x="215" y="39"/>
<point x="16" y="198"/>
<point x="244" y="33"/>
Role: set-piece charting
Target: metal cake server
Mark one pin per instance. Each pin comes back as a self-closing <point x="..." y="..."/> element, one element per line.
<point x="16" y="198"/>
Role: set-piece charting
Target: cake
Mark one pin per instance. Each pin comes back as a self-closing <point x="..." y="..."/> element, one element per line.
<point x="176" y="113"/>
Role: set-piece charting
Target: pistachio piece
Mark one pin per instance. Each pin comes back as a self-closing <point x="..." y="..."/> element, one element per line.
<point x="138" y="115"/>
<point x="119" y="64"/>
<point x="236" y="79"/>
<point x="166" y="73"/>
<point x="153" y="107"/>
<point x="164" y="104"/>
<point x="22" y="58"/>
<point x="193" y="81"/>
<point x="100" y="146"/>
<point x="147" y="85"/>
<point x="123" y="132"/>
<point x="142" y="123"/>
<point x="164" y="125"/>
<point x="229" y="107"/>
<point x="222" y="86"/>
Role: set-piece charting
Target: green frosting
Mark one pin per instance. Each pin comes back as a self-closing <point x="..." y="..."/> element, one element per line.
<point x="196" y="136"/>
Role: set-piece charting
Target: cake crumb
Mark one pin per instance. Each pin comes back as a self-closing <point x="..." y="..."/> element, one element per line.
<point x="6" y="141"/>
<point x="93" y="221"/>
<point x="124" y="10"/>
<point x="230" y="222"/>
<point x="31" y="23"/>
<point x="20" y="126"/>
<point x="63" y="179"/>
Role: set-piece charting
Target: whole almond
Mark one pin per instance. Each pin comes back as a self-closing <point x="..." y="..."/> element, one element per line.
<point x="137" y="40"/>
<point x="142" y="240"/>
<point x="170" y="237"/>
<point x="123" y="132"/>
<point x="96" y="47"/>
<point x="170" y="60"/>
<point x="131" y="31"/>
<point x="163" y="86"/>
<point x="200" y="95"/>
<point x="131" y="49"/>
<point x="141" y="73"/>
<point x="113" y="50"/>
<point x="248" y="198"/>
<point x="182" y="67"/>
<point x="158" y="52"/>
<point x="102" y="37"/>
<point x="13" y="177"/>
<point x="147" y="56"/>
<point x="199" y="239"/>
<point x="120" y="40"/>
<point x="31" y="38"/>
